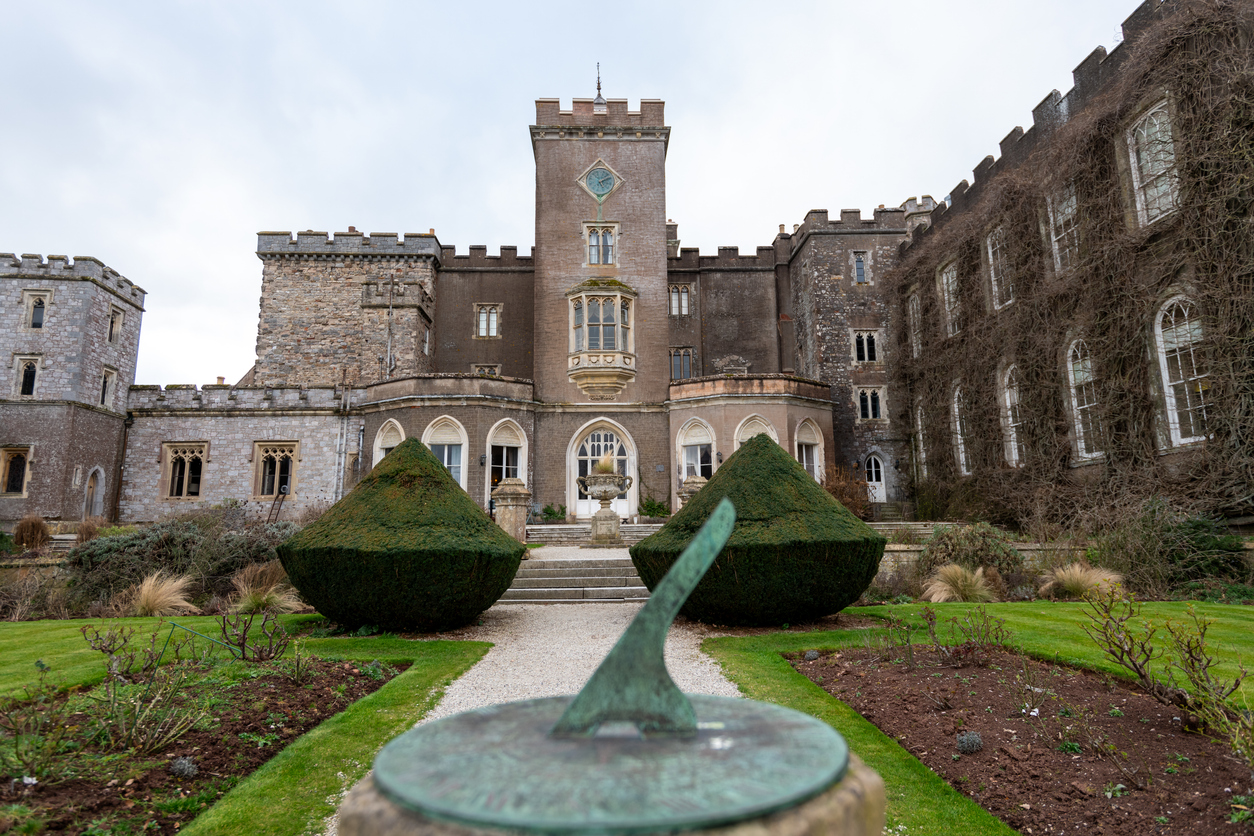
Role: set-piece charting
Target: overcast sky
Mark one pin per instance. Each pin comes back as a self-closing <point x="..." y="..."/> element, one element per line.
<point x="160" y="137"/>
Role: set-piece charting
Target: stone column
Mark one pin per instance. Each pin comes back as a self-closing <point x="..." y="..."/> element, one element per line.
<point x="512" y="503"/>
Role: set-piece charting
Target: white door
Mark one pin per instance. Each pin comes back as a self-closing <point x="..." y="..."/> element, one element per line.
<point x="597" y="444"/>
<point x="875" y="480"/>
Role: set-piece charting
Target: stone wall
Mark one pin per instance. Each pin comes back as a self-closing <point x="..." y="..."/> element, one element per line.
<point x="506" y="281"/>
<point x="828" y="306"/>
<point x="231" y="421"/>
<point x="326" y="304"/>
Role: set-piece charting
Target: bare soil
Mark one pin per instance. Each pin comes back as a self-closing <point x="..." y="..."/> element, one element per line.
<point x="257" y="721"/>
<point x="1039" y="770"/>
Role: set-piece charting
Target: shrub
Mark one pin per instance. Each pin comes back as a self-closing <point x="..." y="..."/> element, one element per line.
<point x="159" y="594"/>
<point x="650" y="507"/>
<point x="952" y="582"/>
<point x="849" y="491"/>
<point x="209" y="546"/>
<point x="31" y="532"/>
<point x="971" y="546"/>
<point x="89" y="529"/>
<point x="1077" y="580"/>
<point x="7" y="545"/>
<point x="795" y="553"/>
<point x="552" y="514"/>
<point x="406" y="549"/>
<point x="262" y="587"/>
<point x="1158" y="549"/>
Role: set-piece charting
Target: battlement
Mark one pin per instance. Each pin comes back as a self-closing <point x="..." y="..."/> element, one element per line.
<point x="1090" y="78"/>
<point x="890" y="220"/>
<point x="81" y="267"/>
<point x="478" y="259"/>
<point x="549" y="113"/>
<point x="728" y="259"/>
<point x="351" y="244"/>
<point x="224" y="397"/>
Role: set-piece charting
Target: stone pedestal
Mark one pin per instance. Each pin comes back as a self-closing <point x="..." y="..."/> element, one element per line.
<point x="689" y="489"/>
<point x="512" y="502"/>
<point x="853" y="807"/>
<point x="605" y="524"/>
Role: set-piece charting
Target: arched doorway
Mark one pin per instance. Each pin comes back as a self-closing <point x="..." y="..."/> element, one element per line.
<point x="93" y="496"/>
<point x="592" y="446"/>
<point x="875" y="479"/>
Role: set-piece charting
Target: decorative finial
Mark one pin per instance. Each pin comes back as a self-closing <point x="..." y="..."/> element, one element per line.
<point x="598" y="104"/>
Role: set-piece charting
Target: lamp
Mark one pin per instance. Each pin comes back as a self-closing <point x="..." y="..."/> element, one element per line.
<point x="719" y="455"/>
<point x="483" y="459"/>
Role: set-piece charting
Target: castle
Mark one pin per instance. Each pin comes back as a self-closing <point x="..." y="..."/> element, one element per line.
<point x="608" y="337"/>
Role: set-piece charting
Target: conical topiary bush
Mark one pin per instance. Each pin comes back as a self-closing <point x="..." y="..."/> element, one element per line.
<point x="795" y="554"/>
<point x="407" y="549"/>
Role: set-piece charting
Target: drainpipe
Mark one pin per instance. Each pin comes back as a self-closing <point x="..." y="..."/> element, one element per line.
<point x="117" y="481"/>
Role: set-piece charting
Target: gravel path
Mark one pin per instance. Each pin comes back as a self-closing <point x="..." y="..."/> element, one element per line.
<point x="544" y="650"/>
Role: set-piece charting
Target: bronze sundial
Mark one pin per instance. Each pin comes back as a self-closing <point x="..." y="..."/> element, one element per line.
<point x="629" y="754"/>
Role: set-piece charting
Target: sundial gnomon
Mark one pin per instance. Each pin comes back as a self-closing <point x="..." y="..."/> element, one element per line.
<point x="629" y="754"/>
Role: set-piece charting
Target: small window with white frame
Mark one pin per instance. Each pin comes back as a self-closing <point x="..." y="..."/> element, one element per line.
<point x="184" y="466"/>
<point x="871" y="403"/>
<point x="108" y="386"/>
<point x="116" y="317"/>
<point x="1186" y="378"/>
<point x="601" y="239"/>
<point x="679" y="299"/>
<point x="1152" y="154"/>
<point x="1013" y="417"/>
<point x="487" y="320"/>
<point x="914" y="322"/>
<point x="275" y="463"/>
<point x="865" y="347"/>
<point x="27" y="373"/>
<point x="998" y="274"/>
<point x="859" y="268"/>
<point x="962" y="447"/>
<point x="14" y="470"/>
<point x="1084" y="408"/>
<point x="35" y="304"/>
<point x="949" y="298"/>
<point x="1064" y="227"/>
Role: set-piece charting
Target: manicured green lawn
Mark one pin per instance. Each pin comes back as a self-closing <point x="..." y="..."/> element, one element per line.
<point x="301" y="786"/>
<point x="917" y="797"/>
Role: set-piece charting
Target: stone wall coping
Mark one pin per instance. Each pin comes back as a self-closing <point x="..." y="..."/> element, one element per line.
<point x="224" y="397"/>
<point x="349" y="245"/>
<point x="766" y="385"/>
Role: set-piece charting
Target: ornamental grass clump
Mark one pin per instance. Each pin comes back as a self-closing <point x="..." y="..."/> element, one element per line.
<point x="407" y="549"/>
<point x="1078" y="580"/>
<point x="795" y="554"/>
<point x="263" y="587"/>
<point x="160" y="594"/>
<point x="958" y="583"/>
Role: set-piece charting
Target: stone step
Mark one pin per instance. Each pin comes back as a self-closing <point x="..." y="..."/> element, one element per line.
<point x="584" y="581"/>
<point x="574" y="594"/>
<point x="567" y="564"/>
<point x="579" y="571"/>
<point x="580" y="534"/>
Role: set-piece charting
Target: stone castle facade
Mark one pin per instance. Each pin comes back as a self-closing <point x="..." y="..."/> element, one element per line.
<point x="607" y="337"/>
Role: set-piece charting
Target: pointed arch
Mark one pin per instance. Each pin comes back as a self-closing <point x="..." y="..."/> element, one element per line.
<point x="810" y="448"/>
<point x="628" y="463"/>
<point x="1185" y="374"/>
<point x="94" y="493"/>
<point x="695" y="449"/>
<point x="389" y="436"/>
<point x="753" y="425"/>
<point x="506" y="434"/>
<point x="447" y="439"/>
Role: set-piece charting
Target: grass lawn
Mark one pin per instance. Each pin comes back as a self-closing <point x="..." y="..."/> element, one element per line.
<point x="917" y="797"/>
<point x="296" y="790"/>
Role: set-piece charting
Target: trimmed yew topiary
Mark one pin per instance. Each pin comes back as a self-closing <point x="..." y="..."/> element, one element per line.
<point x="407" y="549"/>
<point x="796" y="554"/>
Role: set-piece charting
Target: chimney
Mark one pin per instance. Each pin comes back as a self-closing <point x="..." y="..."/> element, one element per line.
<point x="222" y="380"/>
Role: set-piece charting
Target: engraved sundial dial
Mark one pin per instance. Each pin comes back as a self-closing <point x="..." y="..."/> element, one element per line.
<point x="629" y="754"/>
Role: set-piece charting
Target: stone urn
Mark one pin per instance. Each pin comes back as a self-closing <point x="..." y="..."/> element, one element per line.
<point x="689" y="489"/>
<point x="604" y="487"/>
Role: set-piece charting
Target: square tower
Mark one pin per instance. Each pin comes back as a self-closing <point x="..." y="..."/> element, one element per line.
<point x="600" y="261"/>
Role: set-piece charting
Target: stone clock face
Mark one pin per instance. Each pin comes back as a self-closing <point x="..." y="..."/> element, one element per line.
<point x="599" y="181"/>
